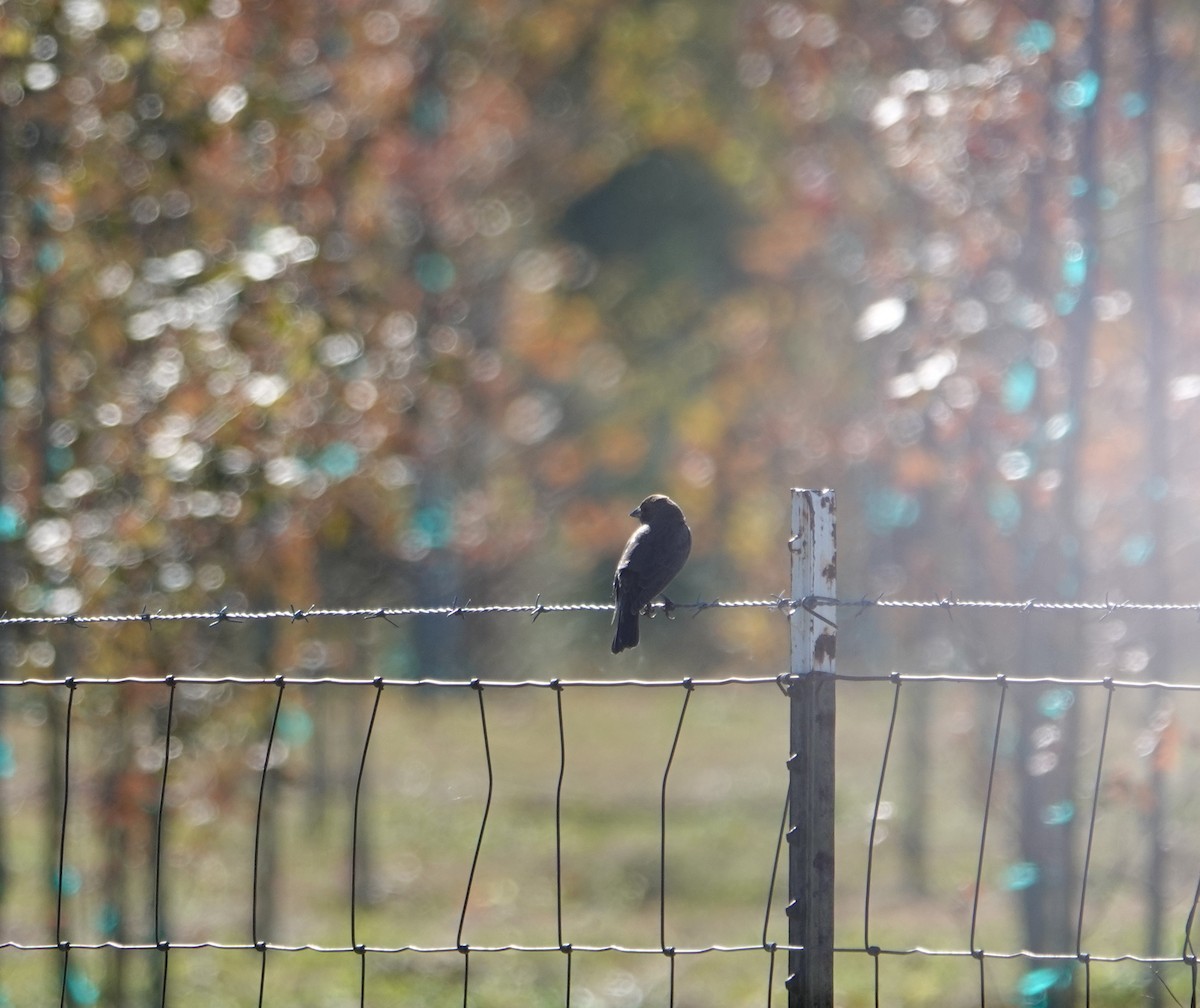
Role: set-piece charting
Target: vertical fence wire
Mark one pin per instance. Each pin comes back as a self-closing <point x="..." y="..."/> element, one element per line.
<point x="983" y="832"/>
<point x="1091" y="831"/>
<point x="779" y="844"/>
<point x="355" y="817"/>
<point x="556" y="685"/>
<point x="487" y="807"/>
<point x="1189" y="950"/>
<point x="887" y="749"/>
<point x="358" y="791"/>
<point x="688" y="686"/>
<point x="260" y="943"/>
<point x="160" y="937"/>
<point x="563" y="946"/>
<point x="66" y="794"/>
<point x="60" y="880"/>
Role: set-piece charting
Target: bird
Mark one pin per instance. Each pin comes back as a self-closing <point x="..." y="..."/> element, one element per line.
<point x="655" y="553"/>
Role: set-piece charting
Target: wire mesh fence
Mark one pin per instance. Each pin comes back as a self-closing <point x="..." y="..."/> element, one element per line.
<point x="309" y="838"/>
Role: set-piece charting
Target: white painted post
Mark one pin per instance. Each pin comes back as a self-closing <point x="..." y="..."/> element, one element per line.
<point x="811" y="687"/>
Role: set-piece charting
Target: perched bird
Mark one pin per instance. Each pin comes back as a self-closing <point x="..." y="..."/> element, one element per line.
<point x="654" y="554"/>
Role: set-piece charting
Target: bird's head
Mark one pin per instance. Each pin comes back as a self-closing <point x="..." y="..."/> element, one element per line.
<point x="655" y="506"/>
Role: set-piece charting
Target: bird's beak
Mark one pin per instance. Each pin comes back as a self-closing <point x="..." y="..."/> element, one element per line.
<point x="636" y="513"/>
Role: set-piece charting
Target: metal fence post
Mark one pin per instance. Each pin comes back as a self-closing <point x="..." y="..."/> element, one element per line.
<point x="811" y="687"/>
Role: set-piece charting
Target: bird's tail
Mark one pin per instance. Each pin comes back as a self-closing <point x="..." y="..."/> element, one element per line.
<point x="626" y="635"/>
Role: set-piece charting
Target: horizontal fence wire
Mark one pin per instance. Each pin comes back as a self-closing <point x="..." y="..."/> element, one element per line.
<point x="638" y="950"/>
<point x="687" y="682"/>
<point x="537" y="608"/>
<point x="69" y="792"/>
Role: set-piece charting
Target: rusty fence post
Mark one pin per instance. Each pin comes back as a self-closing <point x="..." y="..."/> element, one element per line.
<point x="811" y="688"/>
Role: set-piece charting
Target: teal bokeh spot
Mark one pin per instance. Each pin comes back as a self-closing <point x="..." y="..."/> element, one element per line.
<point x="1035" y="985"/>
<point x="1074" y="265"/>
<point x="1077" y="185"/>
<point x="295" y="726"/>
<point x="1019" y="387"/>
<point x="1004" y="508"/>
<point x="889" y="509"/>
<point x="40" y="211"/>
<point x="430" y="112"/>
<point x="59" y="459"/>
<point x="1065" y="302"/>
<point x="434" y="272"/>
<point x="80" y="988"/>
<point x="1137" y="550"/>
<point x="339" y="460"/>
<point x="1080" y="93"/>
<point x="1037" y="37"/>
<point x="398" y="663"/>
<point x="110" y="918"/>
<point x="8" y="759"/>
<point x="1058" y="814"/>
<point x="49" y="257"/>
<point x="1055" y="703"/>
<point x="12" y="526"/>
<point x="1021" y="875"/>
<point x="1133" y="104"/>
<point x="432" y="525"/>
<point x="72" y="882"/>
<point x="1089" y="86"/>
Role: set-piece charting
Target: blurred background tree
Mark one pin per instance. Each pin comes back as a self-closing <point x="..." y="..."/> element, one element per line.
<point x="405" y="302"/>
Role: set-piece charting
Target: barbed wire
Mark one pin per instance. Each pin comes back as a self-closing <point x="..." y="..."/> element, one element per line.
<point x="537" y="608"/>
<point x="225" y="615"/>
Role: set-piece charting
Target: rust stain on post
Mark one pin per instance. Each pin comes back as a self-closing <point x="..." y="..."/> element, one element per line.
<point x="825" y="649"/>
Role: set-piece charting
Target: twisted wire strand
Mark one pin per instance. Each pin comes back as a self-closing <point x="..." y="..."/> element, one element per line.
<point x="536" y="608"/>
